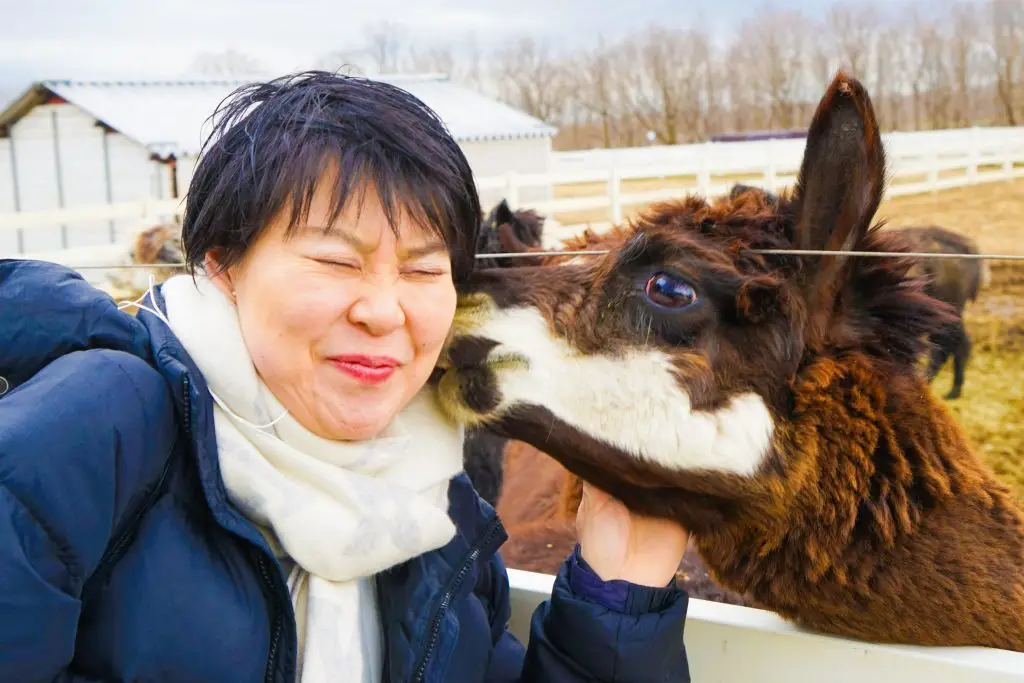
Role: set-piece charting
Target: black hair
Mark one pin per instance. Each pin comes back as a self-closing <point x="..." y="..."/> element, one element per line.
<point x="274" y="140"/>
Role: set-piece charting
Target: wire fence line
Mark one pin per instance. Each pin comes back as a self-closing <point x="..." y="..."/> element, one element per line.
<point x="598" y="252"/>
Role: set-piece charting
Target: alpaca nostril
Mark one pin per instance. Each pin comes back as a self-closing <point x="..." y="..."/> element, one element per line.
<point x="469" y="352"/>
<point x="479" y="390"/>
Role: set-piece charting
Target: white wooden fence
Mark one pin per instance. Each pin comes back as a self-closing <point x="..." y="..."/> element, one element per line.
<point x="918" y="162"/>
<point x="732" y="644"/>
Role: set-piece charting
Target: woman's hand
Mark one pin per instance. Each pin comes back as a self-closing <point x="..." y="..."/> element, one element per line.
<point x="619" y="544"/>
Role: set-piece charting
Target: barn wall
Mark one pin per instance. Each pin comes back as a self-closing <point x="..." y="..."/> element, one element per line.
<point x="185" y="166"/>
<point x="82" y="180"/>
<point x="8" y="239"/>
<point x="493" y="158"/>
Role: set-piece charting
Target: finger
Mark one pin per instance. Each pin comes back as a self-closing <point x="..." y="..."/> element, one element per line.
<point x="594" y="495"/>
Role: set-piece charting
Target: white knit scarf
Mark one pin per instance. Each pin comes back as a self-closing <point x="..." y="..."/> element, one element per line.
<point x="341" y="511"/>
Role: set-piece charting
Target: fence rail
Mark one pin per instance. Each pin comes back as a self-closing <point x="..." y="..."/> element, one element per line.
<point x="604" y="182"/>
<point x="732" y="644"/>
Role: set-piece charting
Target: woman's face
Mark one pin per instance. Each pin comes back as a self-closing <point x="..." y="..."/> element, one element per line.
<point x="344" y="328"/>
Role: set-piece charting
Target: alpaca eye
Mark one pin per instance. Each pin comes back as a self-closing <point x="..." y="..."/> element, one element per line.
<point x="669" y="291"/>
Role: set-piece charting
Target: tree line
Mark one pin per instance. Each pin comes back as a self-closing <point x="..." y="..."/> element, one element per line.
<point x="942" y="64"/>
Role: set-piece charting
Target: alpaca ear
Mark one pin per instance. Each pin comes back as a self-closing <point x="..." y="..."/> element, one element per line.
<point x="840" y="185"/>
<point x="503" y="214"/>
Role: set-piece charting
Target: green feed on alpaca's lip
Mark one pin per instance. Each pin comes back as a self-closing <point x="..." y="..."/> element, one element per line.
<point x="451" y="385"/>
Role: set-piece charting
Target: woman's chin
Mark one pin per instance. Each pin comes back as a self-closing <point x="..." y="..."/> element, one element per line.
<point x="353" y="422"/>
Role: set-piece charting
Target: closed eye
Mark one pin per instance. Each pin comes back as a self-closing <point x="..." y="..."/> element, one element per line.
<point x="338" y="264"/>
<point x="425" y="272"/>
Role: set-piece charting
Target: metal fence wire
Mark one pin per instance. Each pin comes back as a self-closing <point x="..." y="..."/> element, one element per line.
<point x="597" y="252"/>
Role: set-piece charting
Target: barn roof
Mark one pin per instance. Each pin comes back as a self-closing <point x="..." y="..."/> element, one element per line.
<point x="170" y="117"/>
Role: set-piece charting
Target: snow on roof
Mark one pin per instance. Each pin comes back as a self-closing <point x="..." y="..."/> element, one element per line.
<point x="170" y="117"/>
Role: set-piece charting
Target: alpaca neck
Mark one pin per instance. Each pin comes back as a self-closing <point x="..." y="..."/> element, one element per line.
<point x="866" y="456"/>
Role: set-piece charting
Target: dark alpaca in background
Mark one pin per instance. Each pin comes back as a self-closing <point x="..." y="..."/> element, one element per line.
<point x="505" y="231"/>
<point x="483" y="454"/>
<point x="955" y="281"/>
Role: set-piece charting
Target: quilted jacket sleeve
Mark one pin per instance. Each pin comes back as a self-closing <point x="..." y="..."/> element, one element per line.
<point x="596" y="630"/>
<point x="75" y="447"/>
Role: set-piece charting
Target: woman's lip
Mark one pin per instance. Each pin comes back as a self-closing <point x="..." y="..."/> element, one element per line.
<point x="366" y="374"/>
<point x="366" y="361"/>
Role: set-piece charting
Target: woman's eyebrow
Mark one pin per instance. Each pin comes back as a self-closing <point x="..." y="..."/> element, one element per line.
<point x="433" y="246"/>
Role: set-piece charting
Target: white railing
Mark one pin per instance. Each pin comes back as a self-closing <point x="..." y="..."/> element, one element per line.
<point x="731" y="644"/>
<point x="918" y="163"/>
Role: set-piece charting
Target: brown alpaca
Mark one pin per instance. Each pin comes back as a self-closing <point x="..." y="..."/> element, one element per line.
<point x="539" y="497"/>
<point x="535" y="496"/>
<point x="770" y="403"/>
<point x="156" y="244"/>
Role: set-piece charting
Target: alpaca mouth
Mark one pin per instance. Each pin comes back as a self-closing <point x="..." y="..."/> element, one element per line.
<point x="468" y="379"/>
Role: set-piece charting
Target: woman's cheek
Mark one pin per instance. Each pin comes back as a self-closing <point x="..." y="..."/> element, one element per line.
<point x="432" y="316"/>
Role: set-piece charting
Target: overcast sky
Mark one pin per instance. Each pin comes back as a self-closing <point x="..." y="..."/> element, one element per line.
<point x="83" y="39"/>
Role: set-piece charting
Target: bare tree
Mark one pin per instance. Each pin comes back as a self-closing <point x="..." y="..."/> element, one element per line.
<point x="938" y="65"/>
<point x="384" y="45"/>
<point x="596" y="80"/>
<point x="228" y="64"/>
<point x="432" y="59"/>
<point x="965" y="48"/>
<point x="470" y="66"/>
<point x="890" y="77"/>
<point x="741" y="98"/>
<point x="823" y="54"/>
<point x="528" y="76"/>
<point x="775" y="46"/>
<point x="668" y="84"/>
<point x="1007" y="30"/>
<point x="854" y="28"/>
<point x="935" y="75"/>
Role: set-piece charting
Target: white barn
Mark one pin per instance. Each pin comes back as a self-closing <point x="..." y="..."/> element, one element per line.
<point x="68" y="144"/>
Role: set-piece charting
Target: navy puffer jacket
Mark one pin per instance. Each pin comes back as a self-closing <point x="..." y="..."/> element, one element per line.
<point x="121" y="558"/>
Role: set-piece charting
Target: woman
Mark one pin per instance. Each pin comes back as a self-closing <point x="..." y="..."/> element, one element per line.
<point x="249" y="481"/>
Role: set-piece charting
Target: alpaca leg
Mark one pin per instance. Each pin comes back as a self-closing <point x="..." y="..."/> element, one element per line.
<point x="941" y="348"/>
<point x="961" y="353"/>
<point x="482" y="455"/>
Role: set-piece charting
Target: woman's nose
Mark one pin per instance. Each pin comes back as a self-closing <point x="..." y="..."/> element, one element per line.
<point x="378" y="309"/>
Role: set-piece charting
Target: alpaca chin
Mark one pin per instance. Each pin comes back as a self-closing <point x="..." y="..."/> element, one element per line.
<point x="600" y="395"/>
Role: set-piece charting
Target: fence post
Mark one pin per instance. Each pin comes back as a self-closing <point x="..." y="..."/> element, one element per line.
<point x="771" y="180"/>
<point x="933" y="171"/>
<point x="704" y="169"/>
<point x="511" y="190"/>
<point x="615" y="194"/>
<point x="973" y="156"/>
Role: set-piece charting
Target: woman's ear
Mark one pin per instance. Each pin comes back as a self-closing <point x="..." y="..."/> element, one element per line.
<point x="222" y="278"/>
